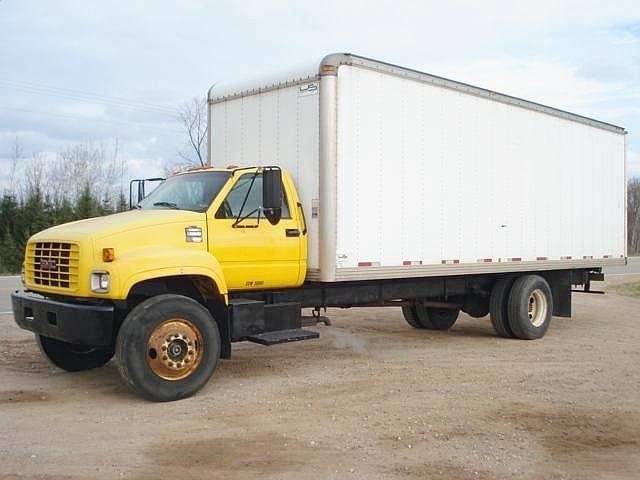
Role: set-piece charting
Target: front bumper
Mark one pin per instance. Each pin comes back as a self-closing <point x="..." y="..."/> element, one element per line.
<point x="81" y="324"/>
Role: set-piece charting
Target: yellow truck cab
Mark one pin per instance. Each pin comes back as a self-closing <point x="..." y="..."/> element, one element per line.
<point x="147" y="284"/>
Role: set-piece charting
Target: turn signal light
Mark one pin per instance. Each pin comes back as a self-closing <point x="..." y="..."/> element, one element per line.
<point x="108" y="254"/>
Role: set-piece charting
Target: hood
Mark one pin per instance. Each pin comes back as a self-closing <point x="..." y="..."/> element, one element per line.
<point x="109" y="225"/>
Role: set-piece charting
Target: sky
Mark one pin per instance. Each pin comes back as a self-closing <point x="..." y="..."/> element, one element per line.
<point x="92" y="71"/>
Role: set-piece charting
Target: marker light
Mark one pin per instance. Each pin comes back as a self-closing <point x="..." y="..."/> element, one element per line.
<point x="108" y="254"/>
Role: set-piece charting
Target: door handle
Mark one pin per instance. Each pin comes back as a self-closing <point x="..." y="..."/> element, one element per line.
<point x="292" y="232"/>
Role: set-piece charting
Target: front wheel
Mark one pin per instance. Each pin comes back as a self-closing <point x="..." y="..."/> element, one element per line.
<point x="72" y="357"/>
<point x="168" y="348"/>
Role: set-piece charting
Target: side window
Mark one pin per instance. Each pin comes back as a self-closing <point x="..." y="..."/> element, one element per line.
<point x="231" y="206"/>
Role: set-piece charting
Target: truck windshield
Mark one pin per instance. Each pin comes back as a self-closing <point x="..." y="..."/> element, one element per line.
<point x="189" y="191"/>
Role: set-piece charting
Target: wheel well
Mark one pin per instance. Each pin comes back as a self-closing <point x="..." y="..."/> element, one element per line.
<point x="200" y="288"/>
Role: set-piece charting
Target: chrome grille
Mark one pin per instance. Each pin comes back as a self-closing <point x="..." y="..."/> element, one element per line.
<point x="52" y="264"/>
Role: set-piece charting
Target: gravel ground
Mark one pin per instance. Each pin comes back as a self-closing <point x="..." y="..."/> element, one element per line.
<point x="373" y="398"/>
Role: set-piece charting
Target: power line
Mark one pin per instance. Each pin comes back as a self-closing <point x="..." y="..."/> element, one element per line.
<point x="156" y="111"/>
<point x="86" y="94"/>
<point x="67" y="93"/>
<point x="99" y="120"/>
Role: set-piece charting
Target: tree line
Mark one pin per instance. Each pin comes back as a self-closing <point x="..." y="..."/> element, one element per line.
<point x="44" y="190"/>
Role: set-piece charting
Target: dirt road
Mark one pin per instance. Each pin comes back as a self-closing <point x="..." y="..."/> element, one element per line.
<point x="373" y="398"/>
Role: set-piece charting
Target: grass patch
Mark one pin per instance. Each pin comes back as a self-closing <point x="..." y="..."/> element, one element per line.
<point x="631" y="289"/>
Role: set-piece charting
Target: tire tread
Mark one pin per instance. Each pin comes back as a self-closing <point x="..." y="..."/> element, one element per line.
<point x="498" y="307"/>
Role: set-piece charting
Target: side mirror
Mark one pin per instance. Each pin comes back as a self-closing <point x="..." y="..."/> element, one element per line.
<point x="272" y="194"/>
<point x="137" y="190"/>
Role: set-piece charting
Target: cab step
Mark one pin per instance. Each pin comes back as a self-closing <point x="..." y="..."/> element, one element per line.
<point x="283" y="336"/>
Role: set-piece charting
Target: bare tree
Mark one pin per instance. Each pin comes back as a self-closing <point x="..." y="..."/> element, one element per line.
<point x="16" y="156"/>
<point x="194" y="122"/>
<point x="633" y="216"/>
<point x="65" y="175"/>
<point x="34" y="175"/>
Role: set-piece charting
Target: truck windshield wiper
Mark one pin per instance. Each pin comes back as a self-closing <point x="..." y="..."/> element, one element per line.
<point x="166" y="204"/>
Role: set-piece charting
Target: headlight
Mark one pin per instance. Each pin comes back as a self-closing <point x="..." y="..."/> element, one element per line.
<point x="100" y="282"/>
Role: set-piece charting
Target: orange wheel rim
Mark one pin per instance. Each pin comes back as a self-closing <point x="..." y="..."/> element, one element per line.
<point x="175" y="349"/>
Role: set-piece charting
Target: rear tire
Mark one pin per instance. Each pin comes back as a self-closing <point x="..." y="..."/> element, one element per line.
<point x="422" y="317"/>
<point x="498" y="307"/>
<point x="442" y="318"/>
<point x="72" y="357"/>
<point x="168" y="347"/>
<point x="411" y="316"/>
<point x="530" y="307"/>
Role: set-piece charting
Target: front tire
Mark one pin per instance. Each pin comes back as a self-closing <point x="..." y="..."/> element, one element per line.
<point x="72" y="357"/>
<point x="168" y="347"/>
<point x="530" y="307"/>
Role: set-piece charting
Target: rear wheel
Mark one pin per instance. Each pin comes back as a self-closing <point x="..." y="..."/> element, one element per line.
<point x="72" y="357"/>
<point x="410" y="314"/>
<point x="498" y="307"/>
<point x="530" y="307"/>
<point x="442" y="318"/>
<point x="419" y="316"/>
<point x="168" y="348"/>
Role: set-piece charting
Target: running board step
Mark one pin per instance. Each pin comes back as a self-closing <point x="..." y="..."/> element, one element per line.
<point x="283" y="336"/>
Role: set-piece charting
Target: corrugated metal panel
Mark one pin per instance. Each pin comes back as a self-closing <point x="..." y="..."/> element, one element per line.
<point x="430" y="173"/>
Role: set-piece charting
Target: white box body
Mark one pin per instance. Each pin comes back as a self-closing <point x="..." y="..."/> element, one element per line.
<point x="403" y="174"/>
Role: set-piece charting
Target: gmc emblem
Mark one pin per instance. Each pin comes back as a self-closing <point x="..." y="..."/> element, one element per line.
<point x="48" y="264"/>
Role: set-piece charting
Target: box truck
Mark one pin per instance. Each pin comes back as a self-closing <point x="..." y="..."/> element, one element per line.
<point x="357" y="183"/>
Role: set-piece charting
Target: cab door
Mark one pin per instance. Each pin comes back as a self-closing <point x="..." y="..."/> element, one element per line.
<point x="253" y="253"/>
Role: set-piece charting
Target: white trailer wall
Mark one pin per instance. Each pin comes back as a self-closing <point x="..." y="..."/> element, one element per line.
<point x="430" y="175"/>
<point x="276" y="127"/>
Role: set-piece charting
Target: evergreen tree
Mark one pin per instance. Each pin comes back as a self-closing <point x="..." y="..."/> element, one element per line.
<point x="123" y="204"/>
<point x="8" y="214"/>
<point x="87" y="206"/>
<point x="33" y="217"/>
<point x="11" y="255"/>
<point x="63" y="210"/>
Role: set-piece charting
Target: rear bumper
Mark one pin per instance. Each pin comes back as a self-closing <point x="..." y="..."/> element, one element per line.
<point x="70" y="322"/>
